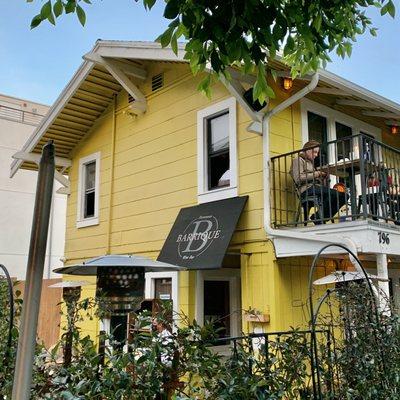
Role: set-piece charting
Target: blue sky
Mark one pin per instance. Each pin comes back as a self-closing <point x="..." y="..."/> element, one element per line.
<point x="37" y="64"/>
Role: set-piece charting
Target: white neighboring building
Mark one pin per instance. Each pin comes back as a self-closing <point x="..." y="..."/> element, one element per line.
<point x="18" y="119"/>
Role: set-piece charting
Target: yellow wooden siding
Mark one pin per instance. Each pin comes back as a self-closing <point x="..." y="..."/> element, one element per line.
<point x="278" y="287"/>
<point x="88" y="325"/>
<point x="155" y="175"/>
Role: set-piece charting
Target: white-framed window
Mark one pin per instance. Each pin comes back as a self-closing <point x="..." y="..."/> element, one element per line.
<point x="163" y="286"/>
<point x="325" y="124"/>
<point x="217" y="151"/>
<point x="88" y="191"/>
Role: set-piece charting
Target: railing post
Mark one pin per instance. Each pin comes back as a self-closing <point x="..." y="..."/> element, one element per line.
<point x="362" y="177"/>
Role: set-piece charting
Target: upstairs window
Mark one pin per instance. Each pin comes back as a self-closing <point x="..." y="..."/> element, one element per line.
<point x="345" y="144"/>
<point x="217" y="151"/>
<point x="88" y="191"/>
<point x="317" y="130"/>
<point x="325" y="124"/>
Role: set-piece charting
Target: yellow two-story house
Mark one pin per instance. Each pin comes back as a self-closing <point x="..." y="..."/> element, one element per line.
<point x="153" y="167"/>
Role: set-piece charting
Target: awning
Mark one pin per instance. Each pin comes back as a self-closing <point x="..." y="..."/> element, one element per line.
<point x="201" y="234"/>
<point x="90" y="267"/>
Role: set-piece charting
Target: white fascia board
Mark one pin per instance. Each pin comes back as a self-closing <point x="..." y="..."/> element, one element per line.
<point x="139" y="51"/>
<point x="362" y="93"/>
<point x="53" y="112"/>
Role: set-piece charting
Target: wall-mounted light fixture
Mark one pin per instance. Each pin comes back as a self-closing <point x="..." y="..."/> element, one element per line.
<point x="287" y="83"/>
<point x="395" y="129"/>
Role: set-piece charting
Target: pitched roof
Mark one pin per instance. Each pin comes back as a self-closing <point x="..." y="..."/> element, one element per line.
<point x="113" y="65"/>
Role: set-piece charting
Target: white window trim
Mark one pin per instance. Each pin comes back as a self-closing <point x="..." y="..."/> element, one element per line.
<point x="227" y="274"/>
<point x="149" y="289"/>
<point x="82" y="222"/>
<point x="333" y="116"/>
<point x="205" y="195"/>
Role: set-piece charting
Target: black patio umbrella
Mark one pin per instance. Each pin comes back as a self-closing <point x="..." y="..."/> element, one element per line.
<point x="94" y="265"/>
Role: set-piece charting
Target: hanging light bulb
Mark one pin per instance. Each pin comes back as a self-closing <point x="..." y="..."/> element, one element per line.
<point x="287" y="83"/>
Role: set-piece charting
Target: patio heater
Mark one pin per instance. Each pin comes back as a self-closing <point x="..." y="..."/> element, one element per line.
<point x="120" y="280"/>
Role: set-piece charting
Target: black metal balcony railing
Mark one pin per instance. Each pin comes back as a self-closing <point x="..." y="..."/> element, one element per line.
<point x="25" y="117"/>
<point x="352" y="178"/>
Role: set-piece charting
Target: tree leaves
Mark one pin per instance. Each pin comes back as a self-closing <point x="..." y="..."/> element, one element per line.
<point x="389" y="8"/>
<point x="51" y="12"/>
<point x="171" y="10"/>
<point x="81" y="14"/>
<point x="36" y="20"/>
<point x="45" y="10"/>
<point x="244" y="34"/>
<point x="58" y="8"/>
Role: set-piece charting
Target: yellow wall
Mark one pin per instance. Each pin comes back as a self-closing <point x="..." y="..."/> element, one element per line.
<point x="155" y="175"/>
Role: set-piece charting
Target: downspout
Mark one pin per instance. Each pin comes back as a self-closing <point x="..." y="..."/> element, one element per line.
<point x="111" y="187"/>
<point x="272" y="232"/>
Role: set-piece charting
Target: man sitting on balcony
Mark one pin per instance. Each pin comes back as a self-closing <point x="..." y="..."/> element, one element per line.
<point x="311" y="184"/>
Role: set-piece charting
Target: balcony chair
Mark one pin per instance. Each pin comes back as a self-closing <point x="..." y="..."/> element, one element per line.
<point x="380" y="202"/>
<point x="305" y="205"/>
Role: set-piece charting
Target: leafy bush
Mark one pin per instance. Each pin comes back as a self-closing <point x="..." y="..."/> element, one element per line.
<point x="358" y="358"/>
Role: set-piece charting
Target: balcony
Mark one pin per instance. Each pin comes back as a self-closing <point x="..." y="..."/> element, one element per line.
<point x="350" y="187"/>
<point x="22" y="116"/>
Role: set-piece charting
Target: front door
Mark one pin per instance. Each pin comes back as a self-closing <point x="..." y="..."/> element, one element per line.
<point x="217" y="306"/>
<point x="218" y="300"/>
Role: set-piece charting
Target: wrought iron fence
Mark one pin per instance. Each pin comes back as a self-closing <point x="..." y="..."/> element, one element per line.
<point x="285" y="360"/>
<point x="356" y="177"/>
<point x="25" y="117"/>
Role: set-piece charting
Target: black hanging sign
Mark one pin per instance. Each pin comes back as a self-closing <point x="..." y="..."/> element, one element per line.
<point x="201" y="234"/>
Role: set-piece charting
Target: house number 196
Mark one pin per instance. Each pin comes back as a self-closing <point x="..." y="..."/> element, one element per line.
<point x="383" y="238"/>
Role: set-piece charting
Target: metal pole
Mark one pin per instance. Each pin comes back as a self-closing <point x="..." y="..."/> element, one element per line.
<point x="34" y="276"/>
<point x="8" y="351"/>
<point x="384" y="293"/>
<point x="11" y="320"/>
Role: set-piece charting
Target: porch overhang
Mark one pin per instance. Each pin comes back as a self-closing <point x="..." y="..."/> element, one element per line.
<point x="370" y="237"/>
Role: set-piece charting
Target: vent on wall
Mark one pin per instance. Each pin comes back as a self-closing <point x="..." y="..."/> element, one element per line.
<point x="157" y="82"/>
<point x="130" y="99"/>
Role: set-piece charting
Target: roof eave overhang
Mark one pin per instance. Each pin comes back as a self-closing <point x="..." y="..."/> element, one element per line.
<point x="358" y="91"/>
<point x="53" y="112"/>
<point x="107" y="49"/>
<point x="154" y="52"/>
